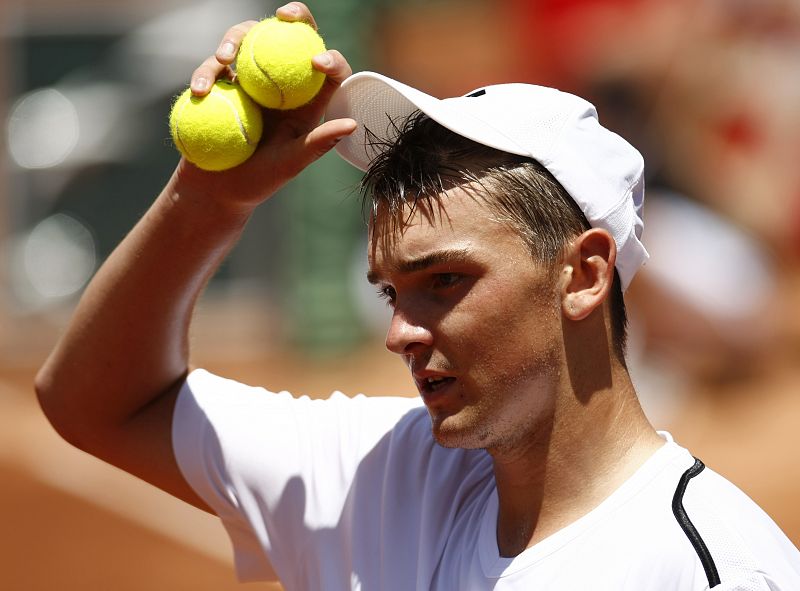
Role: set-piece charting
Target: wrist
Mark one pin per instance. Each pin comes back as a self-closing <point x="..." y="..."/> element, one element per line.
<point x="208" y="194"/>
<point x="202" y="204"/>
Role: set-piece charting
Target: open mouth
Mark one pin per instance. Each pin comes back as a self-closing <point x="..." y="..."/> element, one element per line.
<point x="434" y="384"/>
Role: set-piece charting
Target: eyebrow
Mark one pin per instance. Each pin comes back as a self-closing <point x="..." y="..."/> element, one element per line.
<point x="421" y="263"/>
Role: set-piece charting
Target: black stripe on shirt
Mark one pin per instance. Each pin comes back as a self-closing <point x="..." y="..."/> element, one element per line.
<point x="688" y="527"/>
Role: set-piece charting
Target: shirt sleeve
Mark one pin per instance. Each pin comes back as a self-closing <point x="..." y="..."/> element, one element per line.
<point x="274" y="467"/>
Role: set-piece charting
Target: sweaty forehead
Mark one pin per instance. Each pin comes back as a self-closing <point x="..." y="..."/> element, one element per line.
<point x="392" y="218"/>
<point x="391" y="230"/>
<point x="433" y="218"/>
<point x="454" y="221"/>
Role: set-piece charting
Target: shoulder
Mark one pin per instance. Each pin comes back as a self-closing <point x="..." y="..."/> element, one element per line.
<point x="682" y="524"/>
<point x="251" y="431"/>
<point x="735" y="540"/>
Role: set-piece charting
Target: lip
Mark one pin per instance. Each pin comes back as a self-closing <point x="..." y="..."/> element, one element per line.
<point x="431" y="392"/>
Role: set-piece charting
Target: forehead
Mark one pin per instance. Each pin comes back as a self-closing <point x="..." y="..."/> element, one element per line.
<point x="457" y="219"/>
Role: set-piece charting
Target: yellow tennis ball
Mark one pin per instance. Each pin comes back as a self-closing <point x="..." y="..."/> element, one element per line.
<point x="218" y="131"/>
<point x="274" y="63"/>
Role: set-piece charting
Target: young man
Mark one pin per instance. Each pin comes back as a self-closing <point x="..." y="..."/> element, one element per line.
<point x="504" y="227"/>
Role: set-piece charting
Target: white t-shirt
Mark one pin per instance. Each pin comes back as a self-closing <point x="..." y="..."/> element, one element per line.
<point x="354" y="493"/>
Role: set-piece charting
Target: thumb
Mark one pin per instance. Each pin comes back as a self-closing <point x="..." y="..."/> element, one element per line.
<point x="321" y="139"/>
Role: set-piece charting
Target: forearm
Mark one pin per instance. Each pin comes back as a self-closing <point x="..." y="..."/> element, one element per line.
<point x="127" y="342"/>
<point x="110" y="385"/>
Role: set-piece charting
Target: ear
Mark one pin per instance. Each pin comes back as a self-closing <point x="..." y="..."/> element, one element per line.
<point x="588" y="273"/>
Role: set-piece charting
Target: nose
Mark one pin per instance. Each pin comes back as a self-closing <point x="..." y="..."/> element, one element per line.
<point x="405" y="337"/>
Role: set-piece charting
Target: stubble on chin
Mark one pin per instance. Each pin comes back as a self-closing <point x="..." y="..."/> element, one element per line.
<point x="520" y="418"/>
<point x="463" y="430"/>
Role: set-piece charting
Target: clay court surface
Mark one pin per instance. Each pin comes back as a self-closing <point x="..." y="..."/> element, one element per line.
<point x="71" y="523"/>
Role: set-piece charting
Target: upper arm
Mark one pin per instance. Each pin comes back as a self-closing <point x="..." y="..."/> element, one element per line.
<point x="144" y="448"/>
<point x="140" y="445"/>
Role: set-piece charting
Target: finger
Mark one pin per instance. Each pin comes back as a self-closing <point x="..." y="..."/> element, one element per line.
<point x="323" y="137"/>
<point x="205" y="75"/>
<point x="336" y="70"/>
<point x="231" y="41"/>
<point x="308" y="148"/>
<point x="333" y="64"/>
<point x="296" y="11"/>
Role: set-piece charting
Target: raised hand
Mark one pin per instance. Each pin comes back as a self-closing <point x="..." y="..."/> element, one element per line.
<point x="292" y="139"/>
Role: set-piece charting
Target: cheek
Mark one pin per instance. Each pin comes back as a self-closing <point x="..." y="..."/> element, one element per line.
<point x="528" y="319"/>
<point x="510" y="335"/>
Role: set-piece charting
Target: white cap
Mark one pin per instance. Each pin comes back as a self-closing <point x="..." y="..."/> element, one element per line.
<point x="600" y="170"/>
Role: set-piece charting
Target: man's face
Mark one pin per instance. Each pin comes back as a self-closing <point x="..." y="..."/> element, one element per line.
<point x="476" y="319"/>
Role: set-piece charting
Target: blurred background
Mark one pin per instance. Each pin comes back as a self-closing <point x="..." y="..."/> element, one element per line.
<point x="708" y="90"/>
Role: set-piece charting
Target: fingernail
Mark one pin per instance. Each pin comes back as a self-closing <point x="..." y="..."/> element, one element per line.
<point x="227" y="50"/>
<point x="201" y="84"/>
<point x="324" y="59"/>
<point x="291" y="9"/>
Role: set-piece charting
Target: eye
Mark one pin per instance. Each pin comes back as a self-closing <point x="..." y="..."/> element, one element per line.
<point x="444" y="280"/>
<point x="387" y="293"/>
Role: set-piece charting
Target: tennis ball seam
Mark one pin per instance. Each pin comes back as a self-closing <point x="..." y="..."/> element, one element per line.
<point x="263" y="70"/>
<point x="239" y="121"/>
<point x="275" y="64"/>
<point x="177" y="128"/>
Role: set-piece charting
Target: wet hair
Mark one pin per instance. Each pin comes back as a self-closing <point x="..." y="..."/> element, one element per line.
<point x="427" y="159"/>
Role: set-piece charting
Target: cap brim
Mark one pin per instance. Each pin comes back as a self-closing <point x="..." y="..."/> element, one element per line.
<point x="380" y="105"/>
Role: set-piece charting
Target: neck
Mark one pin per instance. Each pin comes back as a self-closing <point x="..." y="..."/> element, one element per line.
<point x="594" y="442"/>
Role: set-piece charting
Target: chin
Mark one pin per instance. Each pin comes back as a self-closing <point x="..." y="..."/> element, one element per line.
<point x="475" y="430"/>
<point x="453" y="433"/>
